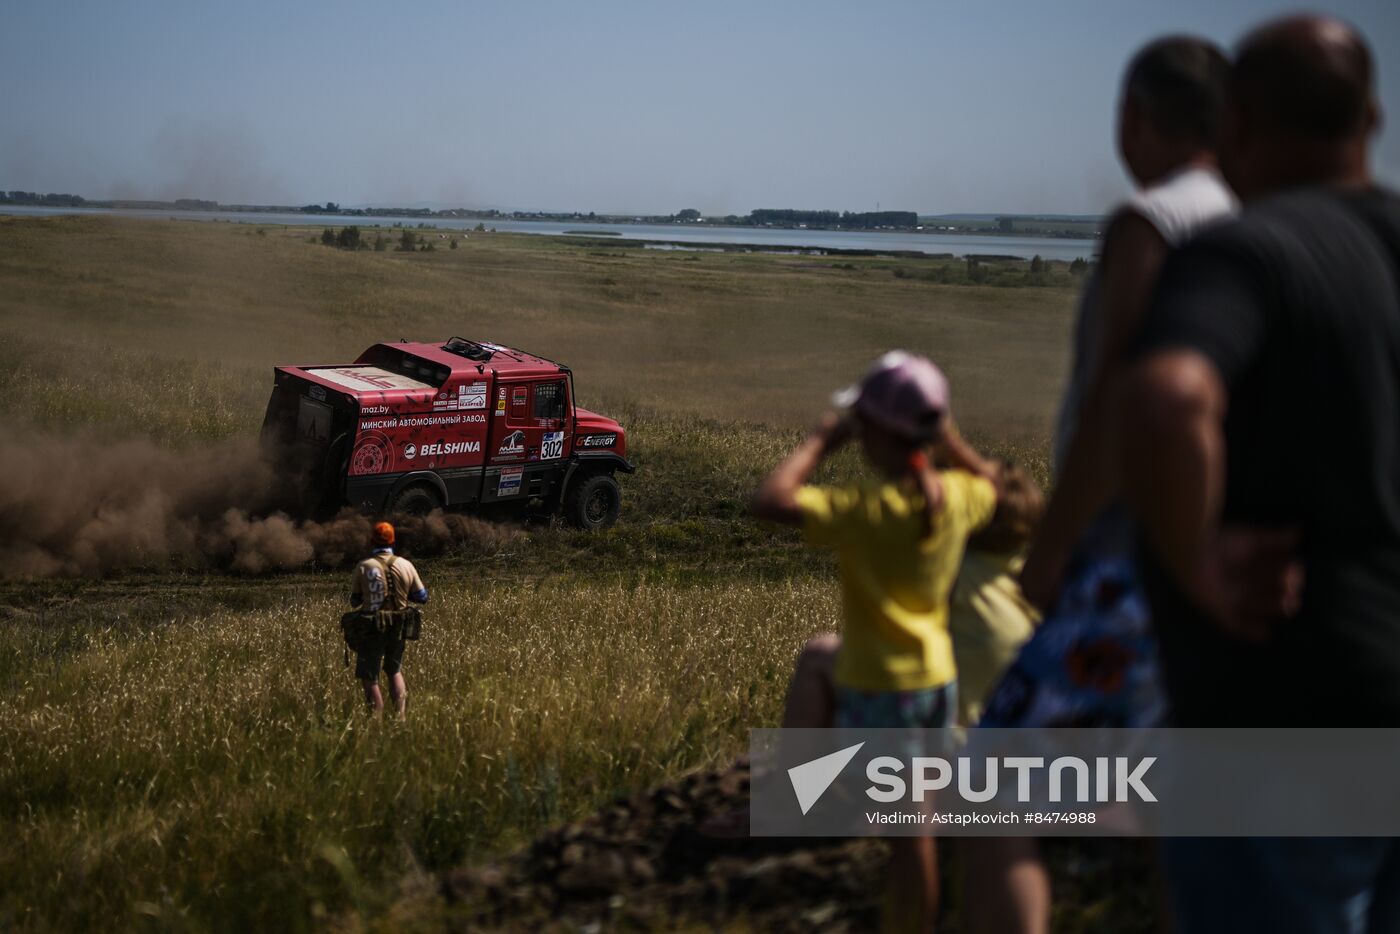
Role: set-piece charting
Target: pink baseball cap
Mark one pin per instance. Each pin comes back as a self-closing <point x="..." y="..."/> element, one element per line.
<point x="903" y="392"/>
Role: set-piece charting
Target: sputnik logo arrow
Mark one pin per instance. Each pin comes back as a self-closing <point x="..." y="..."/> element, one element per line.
<point x="810" y="780"/>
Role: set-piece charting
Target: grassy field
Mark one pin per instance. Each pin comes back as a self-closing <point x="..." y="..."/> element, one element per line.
<point x="192" y="316"/>
<point x="181" y="746"/>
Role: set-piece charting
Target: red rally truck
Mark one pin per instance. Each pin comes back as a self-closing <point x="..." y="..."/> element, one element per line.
<point x="410" y="427"/>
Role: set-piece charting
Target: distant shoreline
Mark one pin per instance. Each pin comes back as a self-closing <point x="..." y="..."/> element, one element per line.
<point x="811" y="241"/>
<point x="1085" y="228"/>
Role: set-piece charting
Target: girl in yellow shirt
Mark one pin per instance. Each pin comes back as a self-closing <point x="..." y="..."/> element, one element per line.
<point x="899" y="541"/>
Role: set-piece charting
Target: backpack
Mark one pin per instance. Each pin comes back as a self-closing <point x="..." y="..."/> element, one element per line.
<point x="363" y="629"/>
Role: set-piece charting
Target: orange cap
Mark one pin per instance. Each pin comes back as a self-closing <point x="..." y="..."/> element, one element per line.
<point x="383" y="534"/>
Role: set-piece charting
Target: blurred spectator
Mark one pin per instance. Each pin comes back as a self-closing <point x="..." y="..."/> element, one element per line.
<point x="1261" y="453"/>
<point x="1080" y="568"/>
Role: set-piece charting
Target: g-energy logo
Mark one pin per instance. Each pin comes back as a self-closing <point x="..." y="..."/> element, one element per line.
<point x="1066" y="779"/>
<point x="599" y="441"/>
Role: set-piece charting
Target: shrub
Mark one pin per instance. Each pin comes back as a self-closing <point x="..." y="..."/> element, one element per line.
<point x="328" y="237"/>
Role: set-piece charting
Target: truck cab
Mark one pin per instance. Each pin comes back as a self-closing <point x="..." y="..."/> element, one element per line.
<point x="412" y="427"/>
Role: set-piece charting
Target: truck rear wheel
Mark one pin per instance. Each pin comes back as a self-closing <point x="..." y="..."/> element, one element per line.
<point x="594" y="502"/>
<point x="417" y="500"/>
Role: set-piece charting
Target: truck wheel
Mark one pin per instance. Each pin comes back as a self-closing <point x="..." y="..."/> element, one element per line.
<point x="416" y="501"/>
<point x="594" y="502"/>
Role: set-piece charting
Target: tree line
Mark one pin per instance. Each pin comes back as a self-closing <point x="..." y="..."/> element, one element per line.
<point x="49" y="200"/>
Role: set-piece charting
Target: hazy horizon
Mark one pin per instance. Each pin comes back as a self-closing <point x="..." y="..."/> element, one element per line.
<point x="615" y="108"/>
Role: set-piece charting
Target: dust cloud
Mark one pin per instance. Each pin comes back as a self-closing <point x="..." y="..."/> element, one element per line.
<point x="77" y="507"/>
<point x="201" y="158"/>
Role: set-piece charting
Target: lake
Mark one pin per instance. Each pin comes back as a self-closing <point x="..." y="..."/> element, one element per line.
<point x="759" y="237"/>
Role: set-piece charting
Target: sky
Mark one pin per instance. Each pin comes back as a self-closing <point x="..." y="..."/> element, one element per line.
<point x="613" y="107"/>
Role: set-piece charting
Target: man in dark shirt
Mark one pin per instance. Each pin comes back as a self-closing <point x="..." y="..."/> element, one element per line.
<point x="1267" y="337"/>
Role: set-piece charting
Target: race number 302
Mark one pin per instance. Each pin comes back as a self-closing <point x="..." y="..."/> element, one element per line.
<point x="552" y="447"/>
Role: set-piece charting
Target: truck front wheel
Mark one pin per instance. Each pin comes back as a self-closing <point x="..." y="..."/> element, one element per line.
<point x="417" y="500"/>
<point x="593" y="502"/>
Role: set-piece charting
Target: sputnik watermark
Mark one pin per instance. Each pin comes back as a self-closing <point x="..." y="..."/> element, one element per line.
<point x="1075" y="781"/>
<point x="934" y="774"/>
<point x="1117" y="779"/>
<point x="810" y="780"/>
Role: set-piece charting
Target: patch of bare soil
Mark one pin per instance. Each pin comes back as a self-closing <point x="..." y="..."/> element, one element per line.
<point x="662" y="860"/>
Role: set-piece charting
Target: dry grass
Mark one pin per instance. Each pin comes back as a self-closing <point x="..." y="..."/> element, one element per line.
<point x="185" y="750"/>
<point x="201" y="311"/>
<point x="221" y="772"/>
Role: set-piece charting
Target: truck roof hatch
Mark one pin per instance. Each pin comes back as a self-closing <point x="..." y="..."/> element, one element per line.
<point x="472" y="350"/>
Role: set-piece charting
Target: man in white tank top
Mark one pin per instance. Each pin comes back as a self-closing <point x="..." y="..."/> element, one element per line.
<point x="1093" y="661"/>
<point x="1166" y="135"/>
